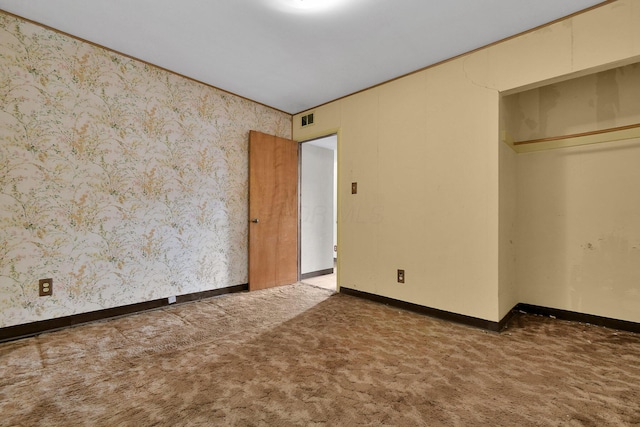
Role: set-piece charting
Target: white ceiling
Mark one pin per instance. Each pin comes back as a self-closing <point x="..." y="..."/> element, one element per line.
<point x="288" y="57"/>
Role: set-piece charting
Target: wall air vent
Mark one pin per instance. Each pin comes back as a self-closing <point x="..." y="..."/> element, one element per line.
<point x="307" y="120"/>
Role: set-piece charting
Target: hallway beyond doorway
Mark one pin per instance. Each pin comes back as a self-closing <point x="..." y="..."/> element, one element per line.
<point x="327" y="281"/>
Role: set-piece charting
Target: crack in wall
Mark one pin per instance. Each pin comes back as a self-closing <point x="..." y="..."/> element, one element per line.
<point x="473" y="81"/>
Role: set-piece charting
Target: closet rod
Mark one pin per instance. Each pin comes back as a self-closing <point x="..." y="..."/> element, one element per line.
<point x="576" y="135"/>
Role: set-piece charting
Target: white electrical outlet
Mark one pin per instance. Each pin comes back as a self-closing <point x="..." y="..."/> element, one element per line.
<point x="172" y="299"/>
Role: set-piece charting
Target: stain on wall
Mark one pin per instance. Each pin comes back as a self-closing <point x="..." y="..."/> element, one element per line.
<point x="578" y="245"/>
<point x="122" y="182"/>
<point x="610" y="267"/>
<point x="597" y="101"/>
<point x="607" y="96"/>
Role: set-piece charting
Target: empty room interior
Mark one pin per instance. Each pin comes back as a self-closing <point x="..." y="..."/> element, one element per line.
<point x="458" y="183"/>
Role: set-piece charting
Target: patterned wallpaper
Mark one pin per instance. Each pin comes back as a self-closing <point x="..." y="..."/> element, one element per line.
<point x="122" y="182"/>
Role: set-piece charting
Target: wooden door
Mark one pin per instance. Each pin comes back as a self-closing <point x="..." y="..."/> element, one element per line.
<point x="273" y="211"/>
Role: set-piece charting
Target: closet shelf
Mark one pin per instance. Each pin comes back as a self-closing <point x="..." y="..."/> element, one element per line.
<point x="578" y="135"/>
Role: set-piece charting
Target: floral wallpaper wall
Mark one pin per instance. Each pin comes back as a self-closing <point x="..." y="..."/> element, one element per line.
<point x="122" y="182"/>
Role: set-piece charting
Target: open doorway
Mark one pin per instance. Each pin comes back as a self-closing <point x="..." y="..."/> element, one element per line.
<point x="318" y="212"/>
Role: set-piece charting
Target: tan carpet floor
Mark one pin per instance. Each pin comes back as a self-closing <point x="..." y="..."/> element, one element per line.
<point x="302" y="356"/>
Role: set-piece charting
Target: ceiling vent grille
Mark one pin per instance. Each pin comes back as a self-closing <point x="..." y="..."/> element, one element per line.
<point x="307" y="120"/>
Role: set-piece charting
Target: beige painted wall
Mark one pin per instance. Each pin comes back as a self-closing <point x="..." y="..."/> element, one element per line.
<point x="579" y="229"/>
<point x="508" y="223"/>
<point x="436" y="191"/>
